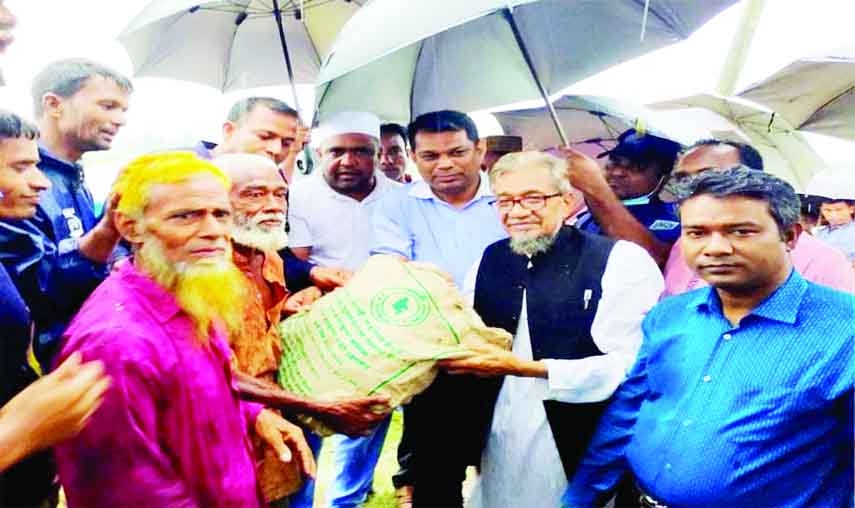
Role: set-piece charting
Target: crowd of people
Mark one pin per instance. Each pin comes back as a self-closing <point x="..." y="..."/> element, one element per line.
<point x="682" y="336"/>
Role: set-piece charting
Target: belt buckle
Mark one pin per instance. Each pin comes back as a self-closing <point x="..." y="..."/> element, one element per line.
<point x="649" y="502"/>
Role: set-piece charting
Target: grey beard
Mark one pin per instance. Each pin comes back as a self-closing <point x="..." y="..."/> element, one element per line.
<point x="262" y="240"/>
<point x="532" y="246"/>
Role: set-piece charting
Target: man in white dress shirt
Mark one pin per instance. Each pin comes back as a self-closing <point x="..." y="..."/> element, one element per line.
<point x="575" y="302"/>
<point x="330" y="217"/>
<point x="330" y="211"/>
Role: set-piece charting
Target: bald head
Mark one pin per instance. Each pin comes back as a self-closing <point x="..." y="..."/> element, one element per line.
<point x="259" y="200"/>
<point x="246" y="166"/>
<point x="710" y="156"/>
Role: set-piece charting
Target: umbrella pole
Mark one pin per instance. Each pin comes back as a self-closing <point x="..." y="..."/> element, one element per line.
<point x="277" y="14"/>
<point x="509" y="16"/>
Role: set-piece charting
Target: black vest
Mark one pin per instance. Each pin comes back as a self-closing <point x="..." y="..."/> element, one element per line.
<point x="563" y="289"/>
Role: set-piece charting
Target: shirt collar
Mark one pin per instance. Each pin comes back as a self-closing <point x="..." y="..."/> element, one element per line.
<point x="848" y="225"/>
<point x="272" y="267"/>
<point x="782" y="305"/>
<point x="422" y="190"/>
<point x="71" y="168"/>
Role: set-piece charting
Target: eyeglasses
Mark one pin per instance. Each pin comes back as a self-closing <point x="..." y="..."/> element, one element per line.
<point x="533" y="202"/>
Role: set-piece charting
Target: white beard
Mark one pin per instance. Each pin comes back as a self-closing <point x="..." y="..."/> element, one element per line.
<point x="247" y="231"/>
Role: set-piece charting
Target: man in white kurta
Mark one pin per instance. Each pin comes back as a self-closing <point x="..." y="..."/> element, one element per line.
<point x="521" y="464"/>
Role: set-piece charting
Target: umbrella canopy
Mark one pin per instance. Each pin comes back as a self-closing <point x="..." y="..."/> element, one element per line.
<point x="592" y="123"/>
<point x="785" y="152"/>
<point x="234" y="44"/>
<point x="478" y="54"/>
<point x="813" y="94"/>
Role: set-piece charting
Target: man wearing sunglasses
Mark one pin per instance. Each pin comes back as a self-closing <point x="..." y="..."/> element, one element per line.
<point x="574" y="302"/>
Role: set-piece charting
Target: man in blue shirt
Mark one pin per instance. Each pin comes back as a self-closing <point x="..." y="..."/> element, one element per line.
<point x="21" y="184"/>
<point x="742" y="394"/>
<point x="60" y="255"/>
<point x="838" y="214"/>
<point x="446" y="220"/>
<point x="623" y="200"/>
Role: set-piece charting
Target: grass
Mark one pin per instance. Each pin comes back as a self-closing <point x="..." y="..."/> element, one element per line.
<point x="384" y="492"/>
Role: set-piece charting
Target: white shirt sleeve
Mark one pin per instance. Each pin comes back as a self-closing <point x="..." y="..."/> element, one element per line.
<point x="632" y="283"/>
<point x="299" y="233"/>
<point x="468" y="289"/>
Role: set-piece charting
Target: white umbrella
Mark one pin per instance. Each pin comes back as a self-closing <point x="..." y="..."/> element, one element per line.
<point x="235" y="44"/>
<point x="813" y="94"/>
<point x="785" y="152"/>
<point x="592" y="123"/>
<point x="475" y="54"/>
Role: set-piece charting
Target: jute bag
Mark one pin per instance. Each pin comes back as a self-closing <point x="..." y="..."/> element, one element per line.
<point x="382" y="333"/>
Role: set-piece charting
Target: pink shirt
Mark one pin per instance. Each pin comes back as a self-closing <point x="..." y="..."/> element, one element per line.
<point x="814" y="260"/>
<point x="172" y="431"/>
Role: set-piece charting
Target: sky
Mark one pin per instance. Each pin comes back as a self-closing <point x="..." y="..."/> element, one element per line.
<point x="166" y="113"/>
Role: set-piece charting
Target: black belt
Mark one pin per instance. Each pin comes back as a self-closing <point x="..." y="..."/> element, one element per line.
<point x="648" y="502"/>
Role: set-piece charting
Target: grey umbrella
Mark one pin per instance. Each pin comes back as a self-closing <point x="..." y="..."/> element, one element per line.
<point x="234" y="44"/>
<point x="476" y="54"/>
<point x="592" y="124"/>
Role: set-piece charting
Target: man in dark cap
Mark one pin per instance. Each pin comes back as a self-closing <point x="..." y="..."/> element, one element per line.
<point x="498" y="146"/>
<point x="622" y="199"/>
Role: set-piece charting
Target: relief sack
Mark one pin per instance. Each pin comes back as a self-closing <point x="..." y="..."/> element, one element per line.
<point x="381" y="334"/>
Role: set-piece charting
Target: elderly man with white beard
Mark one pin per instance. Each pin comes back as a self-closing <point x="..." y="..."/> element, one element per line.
<point x="574" y="302"/>
<point x="259" y="203"/>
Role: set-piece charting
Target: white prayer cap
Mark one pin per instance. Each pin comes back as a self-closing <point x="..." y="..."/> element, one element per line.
<point x="348" y="122"/>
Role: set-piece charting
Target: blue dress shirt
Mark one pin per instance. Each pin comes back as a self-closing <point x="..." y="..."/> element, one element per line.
<point x="754" y="415"/>
<point x="842" y="237"/>
<point x="412" y="222"/>
<point x="42" y="257"/>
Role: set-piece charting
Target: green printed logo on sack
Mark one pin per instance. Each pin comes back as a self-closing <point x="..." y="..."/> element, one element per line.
<point x="400" y="307"/>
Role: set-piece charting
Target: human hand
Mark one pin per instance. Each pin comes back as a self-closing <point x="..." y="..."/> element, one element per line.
<point x="301" y="137"/>
<point x="301" y="300"/>
<point x="286" y="439"/>
<point x="328" y="279"/>
<point x="107" y="223"/>
<point x="404" y="496"/>
<point x="583" y="172"/>
<point x="355" y="417"/>
<point x="484" y="360"/>
<point x="7" y="25"/>
<point x="57" y="406"/>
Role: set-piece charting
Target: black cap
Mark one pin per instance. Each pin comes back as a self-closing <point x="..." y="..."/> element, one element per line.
<point x="645" y="148"/>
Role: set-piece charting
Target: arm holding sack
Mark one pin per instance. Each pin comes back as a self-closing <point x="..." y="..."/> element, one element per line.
<point x="631" y="285"/>
<point x="353" y="417"/>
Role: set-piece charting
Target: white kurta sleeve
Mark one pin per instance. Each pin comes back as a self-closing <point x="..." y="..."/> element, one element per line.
<point x="299" y="233"/>
<point x="632" y="283"/>
<point x="468" y="289"/>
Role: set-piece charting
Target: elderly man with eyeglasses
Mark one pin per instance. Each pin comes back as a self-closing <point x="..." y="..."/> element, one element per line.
<point x="574" y="302"/>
